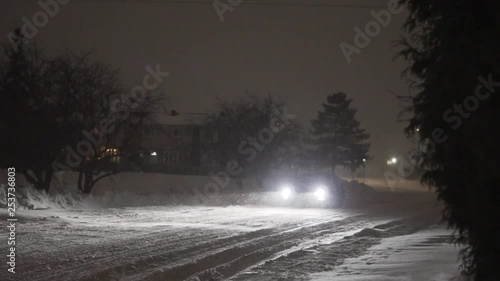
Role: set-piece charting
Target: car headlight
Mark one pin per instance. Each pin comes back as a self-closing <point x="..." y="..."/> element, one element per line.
<point x="286" y="192"/>
<point x="320" y="193"/>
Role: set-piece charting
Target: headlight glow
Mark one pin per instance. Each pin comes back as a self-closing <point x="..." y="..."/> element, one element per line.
<point x="320" y="193"/>
<point x="286" y="193"/>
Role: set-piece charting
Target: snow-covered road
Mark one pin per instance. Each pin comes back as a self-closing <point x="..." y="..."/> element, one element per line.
<point x="203" y="243"/>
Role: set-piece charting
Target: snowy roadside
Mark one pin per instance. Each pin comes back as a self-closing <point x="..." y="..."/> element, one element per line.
<point x="200" y="243"/>
<point x="155" y="235"/>
<point x="422" y="256"/>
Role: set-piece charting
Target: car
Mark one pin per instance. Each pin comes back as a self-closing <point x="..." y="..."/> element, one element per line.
<point x="313" y="189"/>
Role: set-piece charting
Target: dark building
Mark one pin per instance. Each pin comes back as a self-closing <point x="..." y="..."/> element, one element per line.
<point x="178" y="144"/>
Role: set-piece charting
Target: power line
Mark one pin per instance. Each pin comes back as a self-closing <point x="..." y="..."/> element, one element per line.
<point x="248" y="3"/>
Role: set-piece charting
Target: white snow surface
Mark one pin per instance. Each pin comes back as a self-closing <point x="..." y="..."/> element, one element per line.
<point x="425" y="255"/>
<point x="391" y="236"/>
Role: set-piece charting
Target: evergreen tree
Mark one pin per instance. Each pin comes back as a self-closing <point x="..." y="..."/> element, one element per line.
<point x="337" y="135"/>
<point x="454" y="59"/>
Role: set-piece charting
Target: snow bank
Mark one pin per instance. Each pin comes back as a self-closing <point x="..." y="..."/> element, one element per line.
<point x="30" y="198"/>
<point x="421" y="256"/>
<point x="124" y="189"/>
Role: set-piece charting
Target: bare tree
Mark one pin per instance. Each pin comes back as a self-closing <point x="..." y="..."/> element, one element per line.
<point x="101" y="125"/>
<point x="31" y="120"/>
<point x="64" y="112"/>
<point x="254" y="132"/>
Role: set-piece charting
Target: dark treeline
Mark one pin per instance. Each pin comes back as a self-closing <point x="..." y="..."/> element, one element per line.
<point x="59" y="113"/>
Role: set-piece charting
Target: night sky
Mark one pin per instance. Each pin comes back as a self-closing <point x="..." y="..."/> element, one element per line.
<point x="291" y="52"/>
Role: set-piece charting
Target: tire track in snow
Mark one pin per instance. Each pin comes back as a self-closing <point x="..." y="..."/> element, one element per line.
<point x="124" y="252"/>
<point x="70" y="258"/>
<point x="248" y="252"/>
<point x="72" y="267"/>
<point x="325" y="257"/>
<point x="184" y="254"/>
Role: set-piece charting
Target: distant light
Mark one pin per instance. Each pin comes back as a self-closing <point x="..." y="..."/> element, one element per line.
<point x="364" y="160"/>
<point x="153" y="153"/>
<point x="394" y="160"/>
<point x="418" y="129"/>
